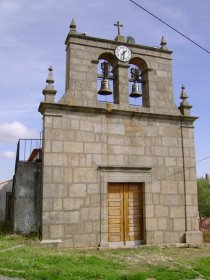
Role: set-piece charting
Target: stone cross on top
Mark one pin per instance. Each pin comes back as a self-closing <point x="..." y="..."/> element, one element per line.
<point x="118" y="26"/>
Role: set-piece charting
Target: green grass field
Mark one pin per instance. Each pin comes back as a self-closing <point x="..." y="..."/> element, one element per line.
<point x="25" y="258"/>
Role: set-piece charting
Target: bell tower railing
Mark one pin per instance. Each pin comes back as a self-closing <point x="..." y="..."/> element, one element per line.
<point x="29" y="150"/>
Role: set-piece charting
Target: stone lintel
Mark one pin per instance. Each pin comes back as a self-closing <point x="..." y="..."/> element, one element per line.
<point x="115" y="111"/>
<point x="122" y="168"/>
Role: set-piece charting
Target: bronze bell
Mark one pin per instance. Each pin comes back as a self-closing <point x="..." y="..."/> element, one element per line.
<point x="105" y="88"/>
<point x="135" y="91"/>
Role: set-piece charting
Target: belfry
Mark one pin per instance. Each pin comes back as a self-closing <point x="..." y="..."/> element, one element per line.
<point x="118" y="157"/>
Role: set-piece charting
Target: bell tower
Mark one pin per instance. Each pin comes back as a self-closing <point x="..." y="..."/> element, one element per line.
<point x="118" y="154"/>
<point x="85" y="54"/>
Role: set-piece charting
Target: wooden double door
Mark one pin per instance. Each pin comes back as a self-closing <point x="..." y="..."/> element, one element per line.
<point x="125" y="212"/>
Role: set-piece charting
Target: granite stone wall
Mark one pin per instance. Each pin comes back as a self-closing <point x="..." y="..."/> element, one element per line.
<point x="87" y="144"/>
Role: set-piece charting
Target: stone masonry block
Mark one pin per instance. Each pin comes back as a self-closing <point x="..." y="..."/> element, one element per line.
<point x="86" y="125"/>
<point x="73" y="203"/>
<point x="94" y="148"/>
<point x="169" y="187"/>
<point x="170" y="131"/>
<point x="57" y="204"/>
<point x="93" y="189"/>
<point x="195" y="223"/>
<point x="174" y="151"/>
<point x="156" y="198"/>
<point x="151" y="224"/>
<point x="170" y="161"/>
<point x="179" y="224"/>
<point x="155" y="187"/>
<point x="173" y="199"/>
<point x="192" y="211"/>
<point x="163" y="223"/>
<point x="70" y="230"/>
<point x="161" y="151"/>
<point x="58" y="175"/>
<point x="70" y="217"/>
<point x="48" y="174"/>
<point x="47" y="204"/>
<point x="149" y="211"/>
<point x="47" y="146"/>
<point x="68" y="175"/>
<point x="57" y="146"/>
<point x="194" y="237"/>
<point x="73" y="147"/>
<point x="56" y="231"/>
<point x="169" y="141"/>
<point x="161" y="211"/>
<point x="85" y="240"/>
<point x="191" y="187"/>
<point x="48" y="121"/>
<point x="50" y="191"/>
<point x="115" y="140"/>
<point x="192" y="200"/>
<point x="116" y="129"/>
<point x="84" y="136"/>
<point x="116" y="160"/>
<point x="57" y="122"/>
<point x="177" y="211"/>
<point x="158" y="237"/>
<point x="54" y="191"/>
<point x="77" y="190"/>
<point x="83" y="175"/>
<point x="118" y="150"/>
<point x="91" y="213"/>
<point x="171" y="237"/>
<point x="55" y="159"/>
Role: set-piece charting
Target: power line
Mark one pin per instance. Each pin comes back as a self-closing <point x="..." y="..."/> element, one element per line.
<point x="202" y="159"/>
<point x="174" y="29"/>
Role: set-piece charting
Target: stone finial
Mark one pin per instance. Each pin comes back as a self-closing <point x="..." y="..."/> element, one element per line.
<point x="183" y="95"/>
<point x="184" y="105"/>
<point x="163" y="43"/>
<point x="73" y="26"/>
<point x="50" y="79"/>
<point x="49" y="91"/>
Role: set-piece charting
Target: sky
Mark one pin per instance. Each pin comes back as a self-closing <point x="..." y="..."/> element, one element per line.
<point x="32" y="38"/>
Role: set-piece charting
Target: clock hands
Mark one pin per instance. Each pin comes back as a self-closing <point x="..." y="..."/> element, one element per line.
<point x="123" y="54"/>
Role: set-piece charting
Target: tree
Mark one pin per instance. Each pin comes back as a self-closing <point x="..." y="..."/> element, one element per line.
<point x="203" y="199"/>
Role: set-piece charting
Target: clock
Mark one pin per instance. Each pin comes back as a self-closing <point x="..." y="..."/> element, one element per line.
<point x="123" y="53"/>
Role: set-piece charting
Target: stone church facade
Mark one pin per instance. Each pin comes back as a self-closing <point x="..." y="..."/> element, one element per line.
<point x="116" y="174"/>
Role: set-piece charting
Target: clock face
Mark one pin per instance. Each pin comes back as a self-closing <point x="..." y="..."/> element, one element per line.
<point x="123" y="53"/>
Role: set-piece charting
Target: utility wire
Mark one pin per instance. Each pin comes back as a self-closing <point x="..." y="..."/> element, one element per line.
<point x="202" y="159"/>
<point x="174" y="29"/>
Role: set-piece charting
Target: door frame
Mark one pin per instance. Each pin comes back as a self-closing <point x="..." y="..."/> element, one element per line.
<point x="112" y="174"/>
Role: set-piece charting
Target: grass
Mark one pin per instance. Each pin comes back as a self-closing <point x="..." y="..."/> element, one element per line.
<point x="24" y="257"/>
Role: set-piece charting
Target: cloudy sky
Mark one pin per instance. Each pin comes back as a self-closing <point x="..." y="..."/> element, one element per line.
<point x="32" y="38"/>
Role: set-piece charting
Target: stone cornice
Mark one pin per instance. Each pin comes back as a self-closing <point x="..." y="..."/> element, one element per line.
<point x="95" y="39"/>
<point x="109" y="110"/>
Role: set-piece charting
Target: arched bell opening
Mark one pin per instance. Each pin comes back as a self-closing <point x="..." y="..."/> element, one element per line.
<point x="135" y="86"/>
<point x="138" y="83"/>
<point x="105" y="78"/>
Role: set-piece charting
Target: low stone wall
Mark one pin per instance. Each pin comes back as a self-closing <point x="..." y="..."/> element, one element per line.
<point x="27" y="199"/>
